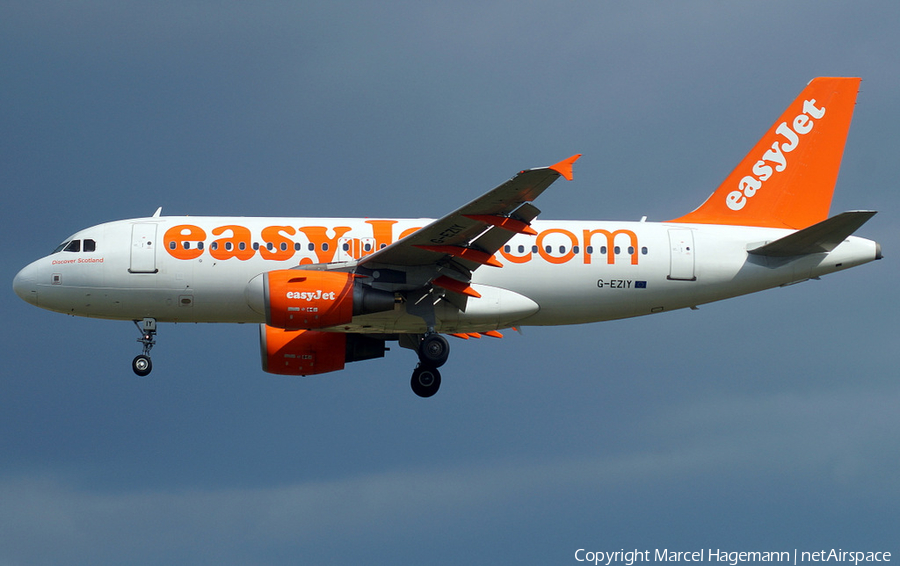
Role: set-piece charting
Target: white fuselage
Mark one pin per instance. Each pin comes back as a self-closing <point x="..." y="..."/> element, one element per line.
<point x="199" y="269"/>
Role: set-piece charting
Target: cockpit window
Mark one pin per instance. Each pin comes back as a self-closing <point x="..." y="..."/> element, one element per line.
<point x="75" y="246"/>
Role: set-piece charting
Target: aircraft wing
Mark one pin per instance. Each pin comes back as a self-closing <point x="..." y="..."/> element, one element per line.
<point x="471" y="235"/>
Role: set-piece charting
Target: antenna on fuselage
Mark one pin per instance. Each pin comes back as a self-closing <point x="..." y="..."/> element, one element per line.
<point x="157" y="213"/>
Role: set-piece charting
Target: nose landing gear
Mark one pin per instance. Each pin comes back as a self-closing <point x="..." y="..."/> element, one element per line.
<point x="141" y="364"/>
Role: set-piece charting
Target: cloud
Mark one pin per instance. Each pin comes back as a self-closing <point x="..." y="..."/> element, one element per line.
<point x="839" y="445"/>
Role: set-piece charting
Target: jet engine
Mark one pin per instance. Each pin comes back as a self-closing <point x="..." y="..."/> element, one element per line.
<point x="294" y="299"/>
<point x="310" y="352"/>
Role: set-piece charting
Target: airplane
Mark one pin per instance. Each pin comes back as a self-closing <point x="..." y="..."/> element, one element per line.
<point x="329" y="291"/>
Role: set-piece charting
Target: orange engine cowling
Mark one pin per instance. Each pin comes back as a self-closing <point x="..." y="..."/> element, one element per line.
<point x="295" y="299"/>
<point x="308" y="299"/>
<point x="310" y="352"/>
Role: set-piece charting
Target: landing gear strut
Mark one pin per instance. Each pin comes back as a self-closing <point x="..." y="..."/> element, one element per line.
<point x="433" y="352"/>
<point x="142" y="364"/>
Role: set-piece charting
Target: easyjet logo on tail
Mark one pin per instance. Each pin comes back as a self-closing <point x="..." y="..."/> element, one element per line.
<point x="774" y="160"/>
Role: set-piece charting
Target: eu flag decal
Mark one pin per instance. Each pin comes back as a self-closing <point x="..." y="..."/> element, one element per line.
<point x="640" y="284"/>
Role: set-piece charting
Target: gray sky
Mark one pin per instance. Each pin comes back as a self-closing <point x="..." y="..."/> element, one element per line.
<point x="767" y="422"/>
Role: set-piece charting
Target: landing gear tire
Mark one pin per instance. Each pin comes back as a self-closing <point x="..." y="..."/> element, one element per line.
<point x="425" y="381"/>
<point x="142" y="365"/>
<point x="434" y="350"/>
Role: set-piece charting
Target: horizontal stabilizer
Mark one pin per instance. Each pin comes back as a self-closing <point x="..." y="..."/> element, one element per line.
<point x="818" y="238"/>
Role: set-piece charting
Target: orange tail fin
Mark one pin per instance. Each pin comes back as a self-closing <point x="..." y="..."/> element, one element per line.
<point x="787" y="179"/>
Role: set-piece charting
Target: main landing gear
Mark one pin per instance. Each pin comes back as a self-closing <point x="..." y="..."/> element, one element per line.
<point x="142" y="364"/>
<point x="433" y="352"/>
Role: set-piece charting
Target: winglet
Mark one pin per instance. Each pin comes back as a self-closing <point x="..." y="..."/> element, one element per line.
<point x="564" y="167"/>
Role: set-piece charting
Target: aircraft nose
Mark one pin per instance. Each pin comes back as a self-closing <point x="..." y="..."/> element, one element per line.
<point x="25" y="284"/>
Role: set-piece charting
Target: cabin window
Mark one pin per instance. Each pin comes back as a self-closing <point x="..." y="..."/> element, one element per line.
<point x="602" y="249"/>
<point x="255" y="245"/>
<point x="172" y="245"/>
<point x="506" y="248"/>
<point x="521" y="249"/>
<point x="214" y="246"/>
<point x="367" y="247"/>
<point x="589" y="250"/>
<point x="346" y="247"/>
<point x="269" y="246"/>
<point x="284" y="246"/>
<point x="228" y="246"/>
<point x="187" y="245"/>
<point x="631" y="250"/>
<point x="617" y="250"/>
<point x="199" y="245"/>
<point x="324" y="246"/>
<point x="644" y="250"/>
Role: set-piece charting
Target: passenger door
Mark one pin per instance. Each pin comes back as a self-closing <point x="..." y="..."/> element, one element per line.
<point x="143" y="248"/>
